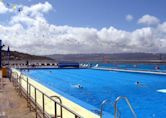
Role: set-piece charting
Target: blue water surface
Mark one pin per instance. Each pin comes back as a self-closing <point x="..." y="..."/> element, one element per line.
<point x="147" y="67"/>
<point x="99" y="85"/>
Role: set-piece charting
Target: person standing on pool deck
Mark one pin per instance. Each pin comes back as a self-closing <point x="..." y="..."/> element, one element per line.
<point x="27" y="63"/>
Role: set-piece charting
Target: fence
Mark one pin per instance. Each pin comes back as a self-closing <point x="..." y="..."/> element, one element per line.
<point x="43" y="105"/>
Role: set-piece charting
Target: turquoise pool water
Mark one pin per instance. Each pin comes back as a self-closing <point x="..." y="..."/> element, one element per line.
<point x="99" y="85"/>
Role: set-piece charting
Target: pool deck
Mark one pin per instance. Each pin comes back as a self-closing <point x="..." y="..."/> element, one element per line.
<point x="128" y="70"/>
<point x="11" y="104"/>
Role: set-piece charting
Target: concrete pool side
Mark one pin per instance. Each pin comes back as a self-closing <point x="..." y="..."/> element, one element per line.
<point x="49" y="104"/>
<point x="127" y="70"/>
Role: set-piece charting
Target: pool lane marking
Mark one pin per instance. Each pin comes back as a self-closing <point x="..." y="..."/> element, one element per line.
<point x="122" y="70"/>
<point x="161" y="91"/>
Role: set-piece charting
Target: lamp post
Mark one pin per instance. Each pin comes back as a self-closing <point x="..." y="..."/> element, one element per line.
<point x="1" y="46"/>
<point x="8" y="56"/>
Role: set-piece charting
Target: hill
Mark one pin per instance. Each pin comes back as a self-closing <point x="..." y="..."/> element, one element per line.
<point x="14" y="55"/>
<point x="107" y="58"/>
<point x="88" y="58"/>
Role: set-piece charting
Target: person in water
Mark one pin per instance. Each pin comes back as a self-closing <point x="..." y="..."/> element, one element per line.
<point x="157" y="67"/>
<point x="139" y="84"/>
<point x="78" y="86"/>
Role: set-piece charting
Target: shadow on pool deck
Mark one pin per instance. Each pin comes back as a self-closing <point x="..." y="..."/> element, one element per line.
<point x="11" y="104"/>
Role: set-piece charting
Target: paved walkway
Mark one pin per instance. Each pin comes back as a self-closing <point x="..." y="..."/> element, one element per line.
<point x="12" y="105"/>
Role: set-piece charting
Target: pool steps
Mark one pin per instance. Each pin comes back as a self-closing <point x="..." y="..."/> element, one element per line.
<point x="116" y="112"/>
<point x="102" y="106"/>
<point x="128" y="103"/>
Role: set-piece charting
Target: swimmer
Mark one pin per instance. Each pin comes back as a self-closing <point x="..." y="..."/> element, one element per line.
<point x="157" y="67"/>
<point x="139" y="84"/>
<point x="78" y="86"/>
<point x="134" y="65"/>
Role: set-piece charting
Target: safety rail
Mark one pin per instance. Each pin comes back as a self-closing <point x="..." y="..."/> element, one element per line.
<point x="61" y="111"/>
<point x="32" y="100"/>
<point x="128" y="103"/>
<point x="15" y="80"/>
<point x="102" y="108"/>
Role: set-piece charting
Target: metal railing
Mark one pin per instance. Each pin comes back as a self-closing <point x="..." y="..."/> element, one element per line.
<point x="60" y="101"/>
<point x="117" y="113"/>
<point x="128" y="103"/>
<point x="32" y="100"/>
<point x="102" y="108"/>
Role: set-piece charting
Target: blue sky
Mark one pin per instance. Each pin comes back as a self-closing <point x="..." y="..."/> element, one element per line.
<point x="105" y="13"/>
<point x="99" y="13"/>
<point x="83" y="26"/>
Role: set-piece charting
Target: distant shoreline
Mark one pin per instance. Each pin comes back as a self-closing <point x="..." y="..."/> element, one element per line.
<point x="160" y="62"/>
<point x="139" y="61"/>
<point x="126" y="58"/>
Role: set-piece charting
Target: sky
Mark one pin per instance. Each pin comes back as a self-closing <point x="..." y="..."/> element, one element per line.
<point x="44" y="27"/>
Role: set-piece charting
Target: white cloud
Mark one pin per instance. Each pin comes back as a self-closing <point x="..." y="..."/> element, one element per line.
<point x="162" y="27"/>
<point x="37" y="9"/>
<point x="129" y="17"/>
<point x="149" y="20"/>
<point x="42" y="38"/>
<point x="32" y="15"/>
<point x="49" y="39"/>
<point x="3" y="8"/>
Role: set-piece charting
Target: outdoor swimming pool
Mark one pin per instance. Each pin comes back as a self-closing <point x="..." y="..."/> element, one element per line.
<point x="99" y="85"/>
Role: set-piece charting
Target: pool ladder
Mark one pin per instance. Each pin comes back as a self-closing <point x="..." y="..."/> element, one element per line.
<point x="116" y="111"/>
<point x="60" y="101"/>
